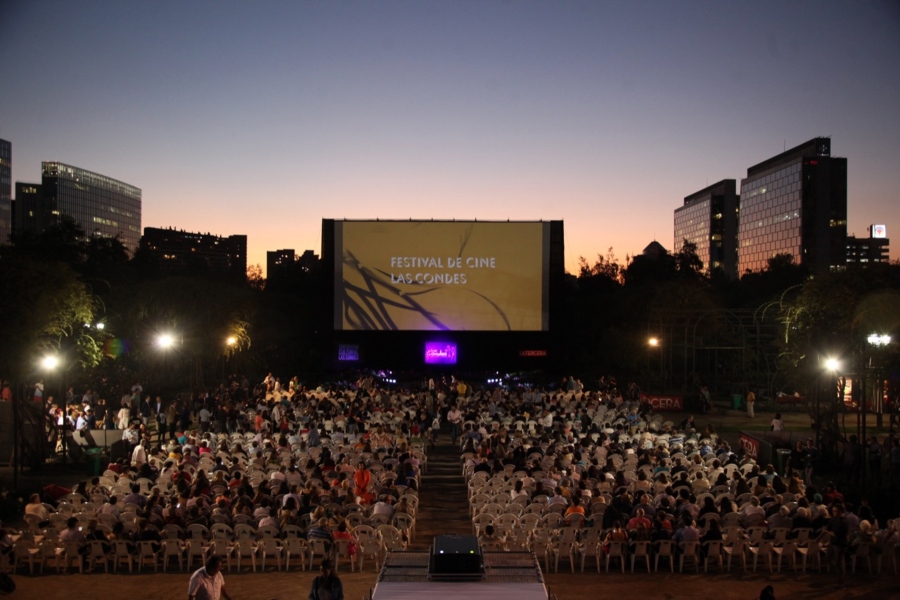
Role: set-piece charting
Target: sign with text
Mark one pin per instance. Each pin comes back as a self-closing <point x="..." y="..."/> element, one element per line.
<point x="750" y="445"/>
<point x="664" y="403"/>
<point x="533" y="353"/>
<point x="441" y="276"/>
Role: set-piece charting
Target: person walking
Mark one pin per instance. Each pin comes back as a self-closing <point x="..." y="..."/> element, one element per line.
<point x="751" y="400"/>
<point x="326" y="586"/>
<point x="207" y="582"/>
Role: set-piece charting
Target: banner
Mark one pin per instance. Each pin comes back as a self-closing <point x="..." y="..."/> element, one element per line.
<point x="663" y="403"/>
<point x="750" y="445"/>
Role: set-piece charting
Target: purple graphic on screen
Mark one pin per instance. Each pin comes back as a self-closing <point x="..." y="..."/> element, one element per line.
<point x="440" y="353"/>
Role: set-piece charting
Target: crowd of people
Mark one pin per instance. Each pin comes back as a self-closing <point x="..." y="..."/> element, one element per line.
<point x="610" y="466"/>
<point x="327" y="462"/>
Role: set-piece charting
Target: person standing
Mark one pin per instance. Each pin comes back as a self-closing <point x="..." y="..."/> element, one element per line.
<point x="751" y="400"/>
<point x="326" y="586"/>
<point x="454" y="416"/>
<point x="840" y="533"/>
<point x="207" y="582"/>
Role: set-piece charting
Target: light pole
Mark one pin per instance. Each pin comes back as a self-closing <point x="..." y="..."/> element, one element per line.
<point x="878" y="341"/>
<point x="230" y="343"/>
<point x="49" y="363"/>
<point x="831" y="365"/>
<point x="652" y="343"/>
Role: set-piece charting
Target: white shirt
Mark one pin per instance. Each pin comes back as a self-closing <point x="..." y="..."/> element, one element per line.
<point x="204" y="586"/>
<point x="139" y="456"/>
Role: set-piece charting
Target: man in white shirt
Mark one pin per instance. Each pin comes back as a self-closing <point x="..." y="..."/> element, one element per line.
<point x="207" y="582"/>
<point x="384" y="506"/>
<point x="454" y="416"/>
<point x="139" y="456"/>
<point x="205" y="417"/>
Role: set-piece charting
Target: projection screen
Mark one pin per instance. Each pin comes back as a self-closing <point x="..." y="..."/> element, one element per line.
<point x="441" y="275"/>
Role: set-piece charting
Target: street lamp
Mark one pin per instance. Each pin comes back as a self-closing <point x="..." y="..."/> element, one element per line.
<point x="831" y="365"/>
<point x="165" y="341"/>
<point x="652" y="342"/>
<point x="878" y="341"/>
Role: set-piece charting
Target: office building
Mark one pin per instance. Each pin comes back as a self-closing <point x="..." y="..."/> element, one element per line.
<point x="873" y="249"/>
<point x="27" y="213"/>
<point x="709" y="219"/>
<point x="100" y="205"/>
<point x="6" y="201"/>
<point x="279" y="262"/>
<point x="795" y="203"/>
<point x="180" y="252"/>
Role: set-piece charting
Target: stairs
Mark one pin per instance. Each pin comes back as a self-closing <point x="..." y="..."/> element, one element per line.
<point x="443" y="499"/>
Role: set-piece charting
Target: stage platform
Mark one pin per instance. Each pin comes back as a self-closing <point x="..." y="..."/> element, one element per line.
<point x="404" y="575"/>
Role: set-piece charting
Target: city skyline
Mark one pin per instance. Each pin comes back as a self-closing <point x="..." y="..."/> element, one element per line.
<point x="236" y="120"/>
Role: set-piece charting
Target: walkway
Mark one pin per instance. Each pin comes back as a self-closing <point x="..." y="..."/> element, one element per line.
<point x="443" y="501"/>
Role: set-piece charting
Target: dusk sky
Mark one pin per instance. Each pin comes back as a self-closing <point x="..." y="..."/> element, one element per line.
<point x="264" y="118"/>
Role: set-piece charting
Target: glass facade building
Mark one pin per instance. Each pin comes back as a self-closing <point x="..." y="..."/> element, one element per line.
<point x="795" y="203"/>
<point x="708" y="219"/>
<point x="100" y="205"/>
<point x="6" y="205"/>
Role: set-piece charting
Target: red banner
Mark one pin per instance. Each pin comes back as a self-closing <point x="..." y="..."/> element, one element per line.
<point x="662" y="403"/>
<point x="750" y="445"/>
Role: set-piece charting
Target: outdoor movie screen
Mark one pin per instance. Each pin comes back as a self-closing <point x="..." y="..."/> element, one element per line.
<point x="441" y="275"/>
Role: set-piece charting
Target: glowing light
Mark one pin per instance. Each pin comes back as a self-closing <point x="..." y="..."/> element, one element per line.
<point x="50" y="362"/>
<point x="653" y="342"/>
<point x="165" y="340"/>
<point x="832" y="364"/>
<point x="879" y="340"/>
<point x="231" y="341"/>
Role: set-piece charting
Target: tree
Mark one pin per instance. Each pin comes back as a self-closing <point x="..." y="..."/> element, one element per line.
<point x="687" y="261"/>
<point x="42" y="305"/>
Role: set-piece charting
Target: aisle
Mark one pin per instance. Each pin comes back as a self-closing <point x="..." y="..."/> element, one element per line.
<point x="443" y="501"/>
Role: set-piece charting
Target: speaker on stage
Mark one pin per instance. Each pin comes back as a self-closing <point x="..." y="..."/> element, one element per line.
<point x="456" y="556"/>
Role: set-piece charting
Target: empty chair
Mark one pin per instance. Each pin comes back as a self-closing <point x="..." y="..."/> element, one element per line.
<point x="267" y="547"/>
<point x="590" y="546"/>
<point x="243" y="549"/>
<point x="295" y="547"/>
<point x="195" y="548"/>
<point x="787" y="550"/>
<point x="147" y="552"/>
<point x="172" y="547"/>
<point x="566" y="545"/>
<point x="764" y="550"/>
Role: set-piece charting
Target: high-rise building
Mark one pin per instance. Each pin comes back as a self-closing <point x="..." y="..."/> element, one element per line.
<point x="99" y="204"/>
<point x="27" y="213"/>
<point x="6" y="205"/>
<point x="873" y="249"/>
<point x="708" y="219"/>
<point x="279" y="262"/>
<point x="795" y="203"/>
<point x="179" y="252"/>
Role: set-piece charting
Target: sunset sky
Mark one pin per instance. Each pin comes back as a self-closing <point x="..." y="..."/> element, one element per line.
<point x="263" y="118"/>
